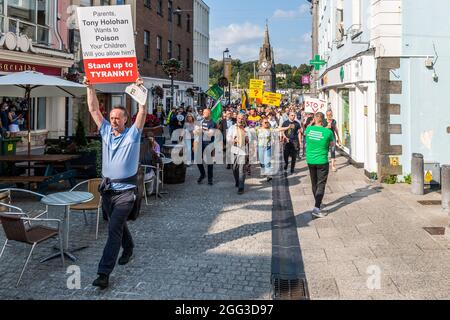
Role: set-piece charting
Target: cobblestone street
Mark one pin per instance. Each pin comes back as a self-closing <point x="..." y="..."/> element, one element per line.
<point x="202" y="242"/>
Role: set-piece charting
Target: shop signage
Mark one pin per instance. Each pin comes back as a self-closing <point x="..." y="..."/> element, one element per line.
<point x="8" y="66"/>
<point x="107" y="40"/>
<point x="342" y="74"/>
<point x="168" y="86"/>
<point x="306" y="80"/>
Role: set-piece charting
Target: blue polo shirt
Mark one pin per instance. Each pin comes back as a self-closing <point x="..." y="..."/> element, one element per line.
<point x="120" y="154"/>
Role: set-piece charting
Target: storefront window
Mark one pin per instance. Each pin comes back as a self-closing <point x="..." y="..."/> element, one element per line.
<point x="41" y="114"/>
<point x="30" y="17"/>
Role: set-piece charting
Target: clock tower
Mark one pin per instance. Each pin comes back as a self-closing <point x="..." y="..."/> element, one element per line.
<point x="266" y="65"/>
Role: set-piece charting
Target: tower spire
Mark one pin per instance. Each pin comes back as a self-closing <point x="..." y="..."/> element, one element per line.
<point x="266" y="36"/>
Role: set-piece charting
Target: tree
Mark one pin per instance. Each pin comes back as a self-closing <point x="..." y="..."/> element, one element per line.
<point x="293" y="74"/>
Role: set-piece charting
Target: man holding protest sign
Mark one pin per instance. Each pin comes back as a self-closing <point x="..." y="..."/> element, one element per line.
<point x="120" y="163"/>
<point x="107" y="39"/>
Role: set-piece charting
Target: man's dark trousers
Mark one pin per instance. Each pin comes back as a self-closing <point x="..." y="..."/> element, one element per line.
<point x="201" y="167"/>
<point x="319" y="177"/>
<point x="239" y="171"/>
<point x="290" y="151"/>
<point x="118" y="207"/>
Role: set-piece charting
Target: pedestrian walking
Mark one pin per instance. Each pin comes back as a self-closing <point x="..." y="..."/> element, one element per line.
<point x="188" y="137"/>
<point x="292" y="138"/>
<point x="207" y="130"/>
<point x="266" y="138"/>
<point x="120" y="164"/>
<point x="225" y="124"/>
<point x="318" y="142"/>
<point x="332" y="125"/>
<point x="239" y="139"/>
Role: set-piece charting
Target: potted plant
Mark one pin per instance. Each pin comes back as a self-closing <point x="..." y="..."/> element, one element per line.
<point x="90" y="152"/>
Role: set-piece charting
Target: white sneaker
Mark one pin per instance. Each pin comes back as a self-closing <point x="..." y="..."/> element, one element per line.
<point x="318" y="213"/>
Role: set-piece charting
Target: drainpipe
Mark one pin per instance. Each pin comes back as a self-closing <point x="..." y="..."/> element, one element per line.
<point x="56" y="21"/>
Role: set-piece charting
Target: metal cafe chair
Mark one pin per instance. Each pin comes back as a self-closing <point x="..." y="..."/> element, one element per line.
<point x="94" y="205"/>
<point x="7" y="203"/>
<point x="154" y="179"/>
<point x="20" y="228"/>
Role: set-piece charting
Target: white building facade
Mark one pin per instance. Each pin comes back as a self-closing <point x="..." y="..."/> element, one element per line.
<point x="201" y="45"/>
<point x="373" y="62"/>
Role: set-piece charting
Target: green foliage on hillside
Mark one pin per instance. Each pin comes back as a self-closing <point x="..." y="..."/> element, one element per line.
<point x="246" y="72"/>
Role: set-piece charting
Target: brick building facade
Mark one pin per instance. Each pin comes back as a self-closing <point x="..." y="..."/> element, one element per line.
<point x="153" y="20"/>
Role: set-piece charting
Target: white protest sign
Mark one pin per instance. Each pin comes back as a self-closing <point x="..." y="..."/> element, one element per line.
<point x="107" y="40"/>
<point x="315" y="105"/>
<point x="138" y="93"/>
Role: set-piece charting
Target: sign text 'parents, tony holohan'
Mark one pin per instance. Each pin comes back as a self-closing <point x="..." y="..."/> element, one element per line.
<point x="107" y="39"/>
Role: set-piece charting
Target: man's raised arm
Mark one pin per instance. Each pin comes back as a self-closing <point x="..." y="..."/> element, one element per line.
<point x="142" y="114"/>
<point x="92" y="100"/>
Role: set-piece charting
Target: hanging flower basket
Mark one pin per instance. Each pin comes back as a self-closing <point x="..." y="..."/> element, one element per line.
<point x="190" y="92"/>
<point x="223" y="82"/>
<point x="172" y="67"/>
<point x="72" y="76"/>
<point x="158" y="91"/>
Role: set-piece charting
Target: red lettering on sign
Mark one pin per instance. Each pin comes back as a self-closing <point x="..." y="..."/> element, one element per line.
<point x="111" y="70"/>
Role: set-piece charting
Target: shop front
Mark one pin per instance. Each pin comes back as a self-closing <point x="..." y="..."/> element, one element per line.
<point x="47" y="115"/>
<point x="349" y="89"/>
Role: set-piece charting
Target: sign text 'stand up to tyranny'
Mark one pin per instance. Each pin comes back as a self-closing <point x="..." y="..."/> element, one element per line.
<point x="107" y="39"/>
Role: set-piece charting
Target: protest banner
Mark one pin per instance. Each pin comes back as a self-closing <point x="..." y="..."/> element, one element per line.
<point x="107" y="40"/>
<point x="272" y="99"/>
<point x="315" y="105"/>
<point x="256" y="93"/>
<point x="256" y="84"/>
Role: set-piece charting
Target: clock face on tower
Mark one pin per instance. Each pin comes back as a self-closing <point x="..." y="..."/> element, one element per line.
<point x="264" y="65"/>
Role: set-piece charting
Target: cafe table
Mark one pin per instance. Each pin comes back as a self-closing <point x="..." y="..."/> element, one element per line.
<point x="66" y="199"/>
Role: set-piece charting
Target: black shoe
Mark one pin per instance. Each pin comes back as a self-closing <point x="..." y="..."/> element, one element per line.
<point x="269" y="179"/>
<point x="292" y="171"/>
<point x="210" y="183"/>
<point x="241" y="191"/>
<point x="200" y="180"/>
<point x="285" y="168"/>
<point x="102" y="281"/>
<point x="125" y="258"/>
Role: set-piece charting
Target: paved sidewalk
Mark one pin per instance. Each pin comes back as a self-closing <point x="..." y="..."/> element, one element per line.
<point x="203" y="242"/>
<point x="371" y="228"/>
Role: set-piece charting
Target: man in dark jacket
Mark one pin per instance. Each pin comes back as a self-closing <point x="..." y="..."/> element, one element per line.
<point x="226" y="123"/>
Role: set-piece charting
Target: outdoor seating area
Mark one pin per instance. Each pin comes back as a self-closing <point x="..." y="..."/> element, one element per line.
<point x="43" y="199"/>
<point x="28" y="225"/>
<point x="57" y="168"/>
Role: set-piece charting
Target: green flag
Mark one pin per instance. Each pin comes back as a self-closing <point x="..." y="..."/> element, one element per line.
<point x="216" y="112"/>
<point x="215" y="92"/>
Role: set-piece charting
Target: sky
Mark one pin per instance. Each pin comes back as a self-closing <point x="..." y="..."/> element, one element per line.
<point x="239" y="26"/>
